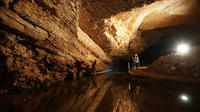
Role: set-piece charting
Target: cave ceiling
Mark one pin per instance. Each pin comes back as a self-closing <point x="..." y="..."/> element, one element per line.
<point x="114" y="24"/>
<point x="43" y="41"/>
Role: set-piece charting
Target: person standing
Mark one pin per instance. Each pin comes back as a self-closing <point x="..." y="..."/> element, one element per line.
<point x="136" y="61"/>
<point x="131" y="63"/>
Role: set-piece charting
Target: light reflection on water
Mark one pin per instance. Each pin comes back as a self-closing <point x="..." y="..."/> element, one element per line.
<point x="165" y="96"/>
<point x="104" y="93"/>
<point x="112" y="72"/>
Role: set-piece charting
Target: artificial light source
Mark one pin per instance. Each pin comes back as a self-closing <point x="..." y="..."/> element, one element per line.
<point x="184" y="98"/>
<point x="183" y="48"/>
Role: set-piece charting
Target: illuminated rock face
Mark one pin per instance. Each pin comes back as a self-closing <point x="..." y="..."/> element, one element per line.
<point x="49" y="40"/>
<point x="41" y="42"/>
<point x="118" y="22"/>
<point x="108" y="22"/>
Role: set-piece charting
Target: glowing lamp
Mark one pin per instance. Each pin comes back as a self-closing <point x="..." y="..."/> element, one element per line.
<point x="184" y="98"/>
<point x="183" y="48"/>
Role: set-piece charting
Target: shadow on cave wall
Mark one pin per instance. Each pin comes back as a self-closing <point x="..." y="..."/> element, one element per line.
<point x="80" y="70"/>
<point x="119" y="62"/>
<point x="170" y="37"/>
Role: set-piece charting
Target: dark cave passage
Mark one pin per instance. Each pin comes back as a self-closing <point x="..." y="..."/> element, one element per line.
<point x="166" y="44"/>
<point x="169" y="39"/>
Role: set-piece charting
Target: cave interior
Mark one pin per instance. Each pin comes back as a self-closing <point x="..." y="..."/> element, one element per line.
<point x="50" y="40"/>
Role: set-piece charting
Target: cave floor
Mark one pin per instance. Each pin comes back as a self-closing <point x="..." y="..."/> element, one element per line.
<point x="114" y="91"/>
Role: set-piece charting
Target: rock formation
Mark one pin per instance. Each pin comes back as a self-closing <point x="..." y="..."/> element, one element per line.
<point x="185" y="65"/>
<point x="48" y="40"/>
<point x="41" y="42"/>
<point x="118" y="23"/>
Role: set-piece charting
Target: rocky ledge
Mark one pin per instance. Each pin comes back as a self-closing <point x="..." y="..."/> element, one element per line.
<point x="184" y="65"/>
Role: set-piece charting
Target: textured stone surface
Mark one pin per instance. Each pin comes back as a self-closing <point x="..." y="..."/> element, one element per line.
<point x="118" y="23"/>
<point x="106" y="21"/>
<point x="49" y="40"/>
<point x="41" y="42"/>
<point x="187" y="65"/>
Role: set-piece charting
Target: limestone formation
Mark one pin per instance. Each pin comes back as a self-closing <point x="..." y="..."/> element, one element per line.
<point x="41" y="42"/>
<point x="118" y="23"/>
<point x="44" y="41"/>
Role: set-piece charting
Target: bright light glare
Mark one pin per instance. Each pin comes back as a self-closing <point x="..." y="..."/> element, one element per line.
<point x="184" y="97"/>
<point x="183" y="48"/>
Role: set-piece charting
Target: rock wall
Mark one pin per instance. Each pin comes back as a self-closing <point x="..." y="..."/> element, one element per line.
<point x="115" y="25"/>
<point x="108" y="22"/>
<point x="49" y="40"/>
<point x="41" y="42"/>
<point x="184" y="65"/>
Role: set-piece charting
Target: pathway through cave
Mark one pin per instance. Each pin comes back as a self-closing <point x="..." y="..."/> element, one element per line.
<point x="114" y="91"/>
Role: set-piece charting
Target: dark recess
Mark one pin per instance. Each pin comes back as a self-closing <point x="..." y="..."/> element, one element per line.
<point x="170" y="38"/>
